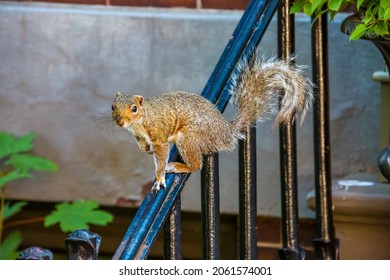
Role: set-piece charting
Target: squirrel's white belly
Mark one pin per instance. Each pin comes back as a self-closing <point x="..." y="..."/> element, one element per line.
<point x="140" y="134"/>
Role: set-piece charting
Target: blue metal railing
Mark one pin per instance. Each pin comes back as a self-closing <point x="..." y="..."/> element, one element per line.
<point x="155" y="208"/>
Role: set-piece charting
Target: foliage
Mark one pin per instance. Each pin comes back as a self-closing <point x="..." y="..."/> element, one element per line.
<point x="16" y="162"/>
<point x="375" y="14"/>
<point x="9" y="246"/>
<point x="77" y="215"/>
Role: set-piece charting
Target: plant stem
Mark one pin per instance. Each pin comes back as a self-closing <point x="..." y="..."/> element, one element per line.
<point x="23" y="222"/>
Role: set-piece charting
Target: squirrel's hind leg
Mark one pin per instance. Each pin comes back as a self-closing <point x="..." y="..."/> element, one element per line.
<point x="178" y="167"/>
<point x="191" y="155"/>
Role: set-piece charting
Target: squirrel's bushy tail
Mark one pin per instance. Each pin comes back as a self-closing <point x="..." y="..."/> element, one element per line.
<point x="260" y="86"/>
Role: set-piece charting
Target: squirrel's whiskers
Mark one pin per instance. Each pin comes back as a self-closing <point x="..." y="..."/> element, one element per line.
<point x="105" y="119"/>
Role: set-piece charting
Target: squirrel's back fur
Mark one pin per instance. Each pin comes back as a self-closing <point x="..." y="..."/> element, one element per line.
<point x="192" y="117"/>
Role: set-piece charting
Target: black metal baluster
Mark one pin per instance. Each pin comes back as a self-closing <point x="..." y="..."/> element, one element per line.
<point x="209" y="174"/>
<point x="172" y="233"/>
<point x="35" y="253"/>
<point x="288" y="157"/>
<point x="208" y="192"/>
<point x="325" y="244"/>
<point x="248" y="195"/>
<point x="210" y="208"/>
<point x="83" y="244"/>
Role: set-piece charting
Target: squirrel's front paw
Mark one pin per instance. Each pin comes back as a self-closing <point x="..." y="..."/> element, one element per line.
<point x="159" y="183"/>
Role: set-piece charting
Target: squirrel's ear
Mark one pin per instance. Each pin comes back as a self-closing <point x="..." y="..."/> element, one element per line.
<point x="140" y="99"/>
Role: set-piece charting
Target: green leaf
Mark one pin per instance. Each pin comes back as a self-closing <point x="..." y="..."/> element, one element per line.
<point x="368" y="15"/>
<point x="24" y="143"/>
<point x="25" y="162"/>
<point x="315" y="5"/>
<point x="334" y="5"/>
<point x="359" y="3"/>
<point x="386" y="16"/>
<point x="385" y="4"/>
<point x="10" y="245"/>
<point x="359" y="31"/>
<point x="381" y="13"/>
<point x="381" y="28"/>
<point x="10" y="210"/>
<point x="77" y="215"/>
<point x="7" y="141"/>
<point x="11" y="176"/>
<point x="9" y="144"/>
<point x="297" y="6"/>
<point x="307" y="9"/>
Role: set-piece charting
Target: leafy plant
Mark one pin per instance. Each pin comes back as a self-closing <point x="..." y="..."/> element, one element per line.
<point x="16" y="162"/>
<point x="77" y="215"/>
<point x="375" y="14"/>
<point x="10" y="245"/>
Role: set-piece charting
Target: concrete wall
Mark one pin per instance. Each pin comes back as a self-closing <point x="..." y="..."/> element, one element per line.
<point x="62" y="64"/>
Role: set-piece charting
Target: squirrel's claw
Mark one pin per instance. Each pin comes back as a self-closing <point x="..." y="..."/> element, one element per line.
<point x="157" y="184"/>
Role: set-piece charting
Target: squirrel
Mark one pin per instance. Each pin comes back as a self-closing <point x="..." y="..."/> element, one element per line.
<point x="195" y="125"/>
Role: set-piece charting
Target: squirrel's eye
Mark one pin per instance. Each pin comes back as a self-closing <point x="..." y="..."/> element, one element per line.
<point x="112" y="108"/>
<point x="134" y="109"/>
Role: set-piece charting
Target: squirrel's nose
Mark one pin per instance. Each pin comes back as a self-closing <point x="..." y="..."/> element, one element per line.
<point x="118" y="120"/>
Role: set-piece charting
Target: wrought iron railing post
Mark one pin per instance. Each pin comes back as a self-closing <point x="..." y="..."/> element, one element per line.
<point x="248" y="195"/>
<point x="326" y="245"/>
<point x="35" y="253"/>
<point x="288" y="154"/>
<point x="82" y="244"/>
<point x="172" y="233"/>
<point x="210" y="208"/>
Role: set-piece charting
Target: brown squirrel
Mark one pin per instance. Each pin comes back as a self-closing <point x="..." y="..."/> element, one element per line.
<point x="197" y="127"/>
